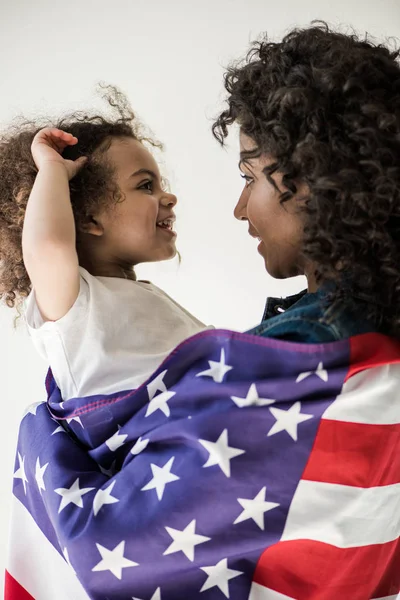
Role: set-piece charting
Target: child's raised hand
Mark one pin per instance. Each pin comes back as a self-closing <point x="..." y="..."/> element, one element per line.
<point x="48" y="145"/>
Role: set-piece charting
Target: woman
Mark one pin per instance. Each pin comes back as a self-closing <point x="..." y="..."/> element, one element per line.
<point x="319" y="135"/>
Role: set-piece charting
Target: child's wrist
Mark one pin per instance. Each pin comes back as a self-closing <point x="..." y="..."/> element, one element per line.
<point x="53" y="165"/>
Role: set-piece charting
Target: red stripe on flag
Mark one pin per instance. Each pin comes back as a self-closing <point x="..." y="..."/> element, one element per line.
<point x="309" y="570"/>
<point x="355" y="454"/>
<point x="13" y="590"/>
<point x="372" y="350"/>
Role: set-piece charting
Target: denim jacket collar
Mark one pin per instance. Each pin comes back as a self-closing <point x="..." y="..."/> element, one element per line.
<point x="276" y="306"/>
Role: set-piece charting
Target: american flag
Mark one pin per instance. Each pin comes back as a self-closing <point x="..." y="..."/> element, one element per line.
<point x="245" y="468"/>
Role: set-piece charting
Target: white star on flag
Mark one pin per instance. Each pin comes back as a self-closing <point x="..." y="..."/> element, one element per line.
<point x="20" y="473"/>
<point x="161" y="476"/>
<point x="116" y="441"/>
<point x="39" y="473"/>
<point x="217" y="370"/>
<point x="160" y="403"/>
<point x="185" y="540"/>
<point x="32" y="408"/>
<point x="157" y="385"/>
<point x="219" y="576"/>
<point x="139" y="446"/>
<point x="113" y="560"/>
<point x="288" y="420"/>
<point x="155" y="596"/>
<point x="103" y="497"/>
<point x="255" y="509"/>
<point x="77" y="419"/>
<point x="320" y="372"/>
<point x="72" y="495"/>
<point x="59" y="429"/>
<point x="252" y="399"/>
<point x="220" y="453"/>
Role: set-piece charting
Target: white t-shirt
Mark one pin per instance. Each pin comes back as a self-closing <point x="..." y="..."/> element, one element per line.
<point x="114" y="337"/>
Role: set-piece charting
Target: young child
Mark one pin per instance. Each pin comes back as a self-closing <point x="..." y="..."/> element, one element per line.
<point x="82" y="203"/>
<point x="319" y="118"/>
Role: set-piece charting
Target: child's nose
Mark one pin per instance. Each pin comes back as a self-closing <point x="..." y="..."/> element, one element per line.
<point x="169" y="200"/>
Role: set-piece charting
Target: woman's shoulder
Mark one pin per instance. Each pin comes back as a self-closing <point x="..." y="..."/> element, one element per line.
<point x="309" y="318"/>
<point x="297" y="328"/>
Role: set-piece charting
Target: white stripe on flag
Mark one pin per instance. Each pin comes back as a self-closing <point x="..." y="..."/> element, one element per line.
<point x="370" y="396"/>
<point x="259" y="592"/>
<point x="395" y="597"/>
<point x="36" y="564"/>
<point x="342" y="515"/>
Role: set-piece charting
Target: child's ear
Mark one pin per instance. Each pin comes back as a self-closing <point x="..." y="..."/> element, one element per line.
<point x="91" y="226"/>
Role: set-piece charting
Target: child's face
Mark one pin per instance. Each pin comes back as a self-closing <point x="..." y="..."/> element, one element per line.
<point x="279" y="227"/>
<point x="131" y="231"/>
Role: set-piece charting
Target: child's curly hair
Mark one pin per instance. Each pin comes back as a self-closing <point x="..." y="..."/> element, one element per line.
<point x="93" y="187"/>
<point x="326" y="107"/>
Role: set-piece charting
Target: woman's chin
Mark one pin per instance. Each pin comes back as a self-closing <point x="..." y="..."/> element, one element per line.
<point x="262" y="251"/>
<point x="272" y="269"/>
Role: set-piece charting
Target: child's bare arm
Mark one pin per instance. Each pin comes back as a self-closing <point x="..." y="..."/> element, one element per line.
<point x="48" y="238"/>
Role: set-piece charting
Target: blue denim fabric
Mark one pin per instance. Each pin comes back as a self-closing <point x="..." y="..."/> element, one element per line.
<point x="309" y="319"/>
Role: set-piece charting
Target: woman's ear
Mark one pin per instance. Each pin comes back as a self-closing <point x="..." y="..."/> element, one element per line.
<point x="91" y="226"/>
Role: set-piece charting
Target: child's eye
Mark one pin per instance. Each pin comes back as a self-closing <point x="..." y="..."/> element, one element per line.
<point x="146" y="185"/>
<point x="247" y="178"/>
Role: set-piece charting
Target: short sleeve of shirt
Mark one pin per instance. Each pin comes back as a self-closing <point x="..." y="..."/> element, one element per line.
<point x="49" y="336"/>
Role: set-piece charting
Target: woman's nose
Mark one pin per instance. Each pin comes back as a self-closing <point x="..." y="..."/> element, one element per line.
<point x="240" y="211"/>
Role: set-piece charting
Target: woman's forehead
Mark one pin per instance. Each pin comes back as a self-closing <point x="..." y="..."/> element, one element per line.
<point x="247" y="144"/>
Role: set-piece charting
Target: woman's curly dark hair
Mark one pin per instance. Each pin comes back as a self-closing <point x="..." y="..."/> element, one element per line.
<point x="93" y="187"/>
<point x="326" y="107"/>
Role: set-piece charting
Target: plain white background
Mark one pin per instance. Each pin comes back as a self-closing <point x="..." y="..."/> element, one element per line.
<point x="168" y="56"/>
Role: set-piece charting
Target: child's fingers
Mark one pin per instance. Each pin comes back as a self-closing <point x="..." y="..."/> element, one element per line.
<point x="76" y="165"/>
<point x="81" y="161"/>
<point x="56" y="135"/>
<point x="65" y="136"/>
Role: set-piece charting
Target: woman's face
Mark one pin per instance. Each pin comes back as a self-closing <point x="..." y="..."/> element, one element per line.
<point x="278" y="226"/>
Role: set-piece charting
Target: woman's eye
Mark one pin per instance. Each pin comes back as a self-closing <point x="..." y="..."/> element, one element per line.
<point x="247" y="179"/>
<point x="146" y="185"/>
